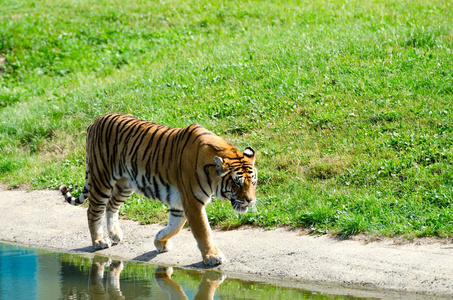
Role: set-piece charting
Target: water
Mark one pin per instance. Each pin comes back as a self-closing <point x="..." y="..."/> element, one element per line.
<point x="27" y="273"/>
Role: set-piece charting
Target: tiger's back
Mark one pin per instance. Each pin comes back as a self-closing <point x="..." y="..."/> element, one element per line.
<point x="182" y="167"/>
<point x="123" y="147"/>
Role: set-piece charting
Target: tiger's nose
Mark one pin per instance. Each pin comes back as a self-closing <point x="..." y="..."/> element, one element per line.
<point x="250" y="201"/>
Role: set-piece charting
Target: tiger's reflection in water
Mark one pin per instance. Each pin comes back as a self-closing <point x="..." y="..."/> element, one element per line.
<point x="206" y="289"/>
<point x="96" y="282"/>
<point x="99" y="288"/>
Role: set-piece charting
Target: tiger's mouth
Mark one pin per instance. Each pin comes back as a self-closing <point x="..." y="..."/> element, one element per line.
<point x="241" y="206"/>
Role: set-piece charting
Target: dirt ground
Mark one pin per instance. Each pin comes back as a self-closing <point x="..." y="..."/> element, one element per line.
<point x="382" y="269"/>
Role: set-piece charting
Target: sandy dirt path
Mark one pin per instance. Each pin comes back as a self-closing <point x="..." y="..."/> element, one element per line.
<point x="41" y="219"/>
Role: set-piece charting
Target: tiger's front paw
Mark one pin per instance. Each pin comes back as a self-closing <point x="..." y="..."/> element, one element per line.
<point x="163" y="246"/>
<point x="214" y="259"/>
<point x="116" y="234"/>
<point x="102" y="243"/>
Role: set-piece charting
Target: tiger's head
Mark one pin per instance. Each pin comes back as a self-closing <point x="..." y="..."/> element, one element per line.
<point x="237" y="180"/>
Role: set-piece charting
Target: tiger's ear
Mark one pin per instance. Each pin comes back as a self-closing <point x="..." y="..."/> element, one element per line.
<point x="250" y="153"/>
<point x="220" y="165"/>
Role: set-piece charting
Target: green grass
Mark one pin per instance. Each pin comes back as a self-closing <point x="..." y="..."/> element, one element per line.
<point x="348" y="104"/>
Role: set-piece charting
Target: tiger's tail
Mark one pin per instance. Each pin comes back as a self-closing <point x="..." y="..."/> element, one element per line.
<point x="72" y="200"/>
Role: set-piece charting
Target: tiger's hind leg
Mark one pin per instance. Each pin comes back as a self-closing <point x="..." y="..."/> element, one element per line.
<point x="121" y="192"/>
<point x="98" y="201"/>
<point x="176" y="220"/>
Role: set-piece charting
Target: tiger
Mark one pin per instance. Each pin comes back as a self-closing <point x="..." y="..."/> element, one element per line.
<point x="181" y="167"/>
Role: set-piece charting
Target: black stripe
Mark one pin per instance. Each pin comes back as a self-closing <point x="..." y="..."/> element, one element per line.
<point x="149" y="149"/>
<point x="158" y="148"/>
<point x="189" y="135"/>
<point x="217" y="149"/>
<point x="237" y="158"/>
<point x="177" y="215"/>
<point x="167" y="188"/>
<point x="147" y="192"/>
<point x="146" y="188"/>
<point x="95" y="186"/>
<point x="176" y="136"/>
<point x="224" y="185"/>
<point x="202" y="134"/>
<point x="176" y="212"/>
<point x="206" y="172"/>
<point x="180" y="134"/>
<point x="168" y="193"/>
<point x="102" y="170"/>
<point x="196" y="173"/>
<point x="96" y="141"/>
<point x="138" y="141"/>
<point x="96" y="218"/>
<point x="98" y="209"/>
<point x="193" y="194"/>
<point x="108" y="131"/>
<point x="142" y="133"/>
<point x="170" y="135"/>
<point x="129" y="130"/>
<point x="156" y="188"/>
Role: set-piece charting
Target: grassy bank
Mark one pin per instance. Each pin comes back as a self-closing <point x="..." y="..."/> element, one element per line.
<point x="348" y="104"/>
